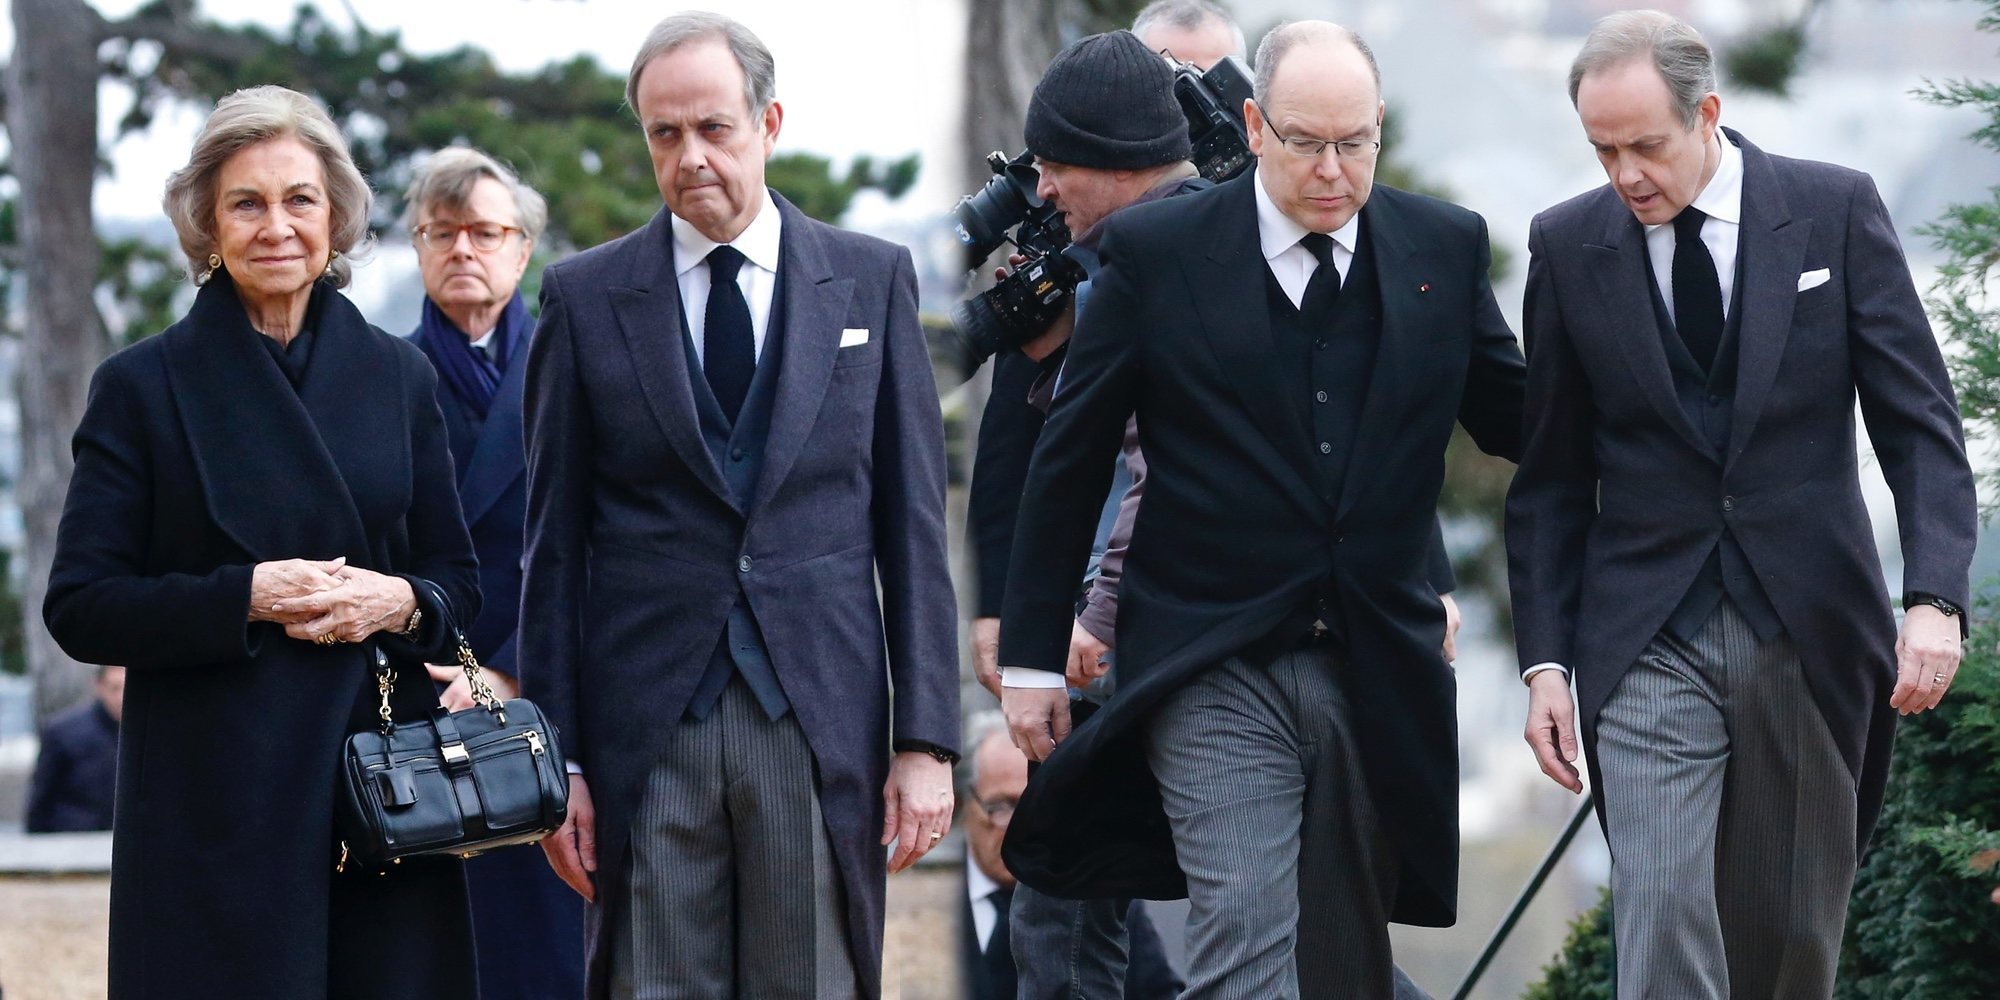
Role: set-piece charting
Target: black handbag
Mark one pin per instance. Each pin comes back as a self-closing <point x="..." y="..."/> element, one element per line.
<point x="455" y="783"/>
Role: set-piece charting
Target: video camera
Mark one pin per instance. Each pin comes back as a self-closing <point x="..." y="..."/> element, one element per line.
<point x="1019" y="307"/>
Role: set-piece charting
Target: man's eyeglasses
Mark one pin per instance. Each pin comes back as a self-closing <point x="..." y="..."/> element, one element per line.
<point x="1360" y="150"/>
<point x="486" y="236"/>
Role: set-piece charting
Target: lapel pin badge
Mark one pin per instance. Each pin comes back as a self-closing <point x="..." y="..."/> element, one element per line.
<point x="1425" y="287"/>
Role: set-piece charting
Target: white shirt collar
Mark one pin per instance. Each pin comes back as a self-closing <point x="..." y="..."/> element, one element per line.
<point x="978" y="885"/>
<point x="1721" y="198"/>
<point x="758" y="242"/>
<point x="486" y="342"/>
<point x="1278" y="232"/>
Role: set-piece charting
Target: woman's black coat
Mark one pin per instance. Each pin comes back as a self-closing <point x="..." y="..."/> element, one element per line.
<point x="197" y="459"/>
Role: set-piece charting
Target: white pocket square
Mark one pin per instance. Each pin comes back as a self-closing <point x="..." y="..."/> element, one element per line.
<point x="1814" y="279"/>
<point x="856" y="336"/>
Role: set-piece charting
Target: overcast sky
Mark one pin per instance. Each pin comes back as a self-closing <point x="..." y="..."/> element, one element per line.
<point x="875" y="76"/>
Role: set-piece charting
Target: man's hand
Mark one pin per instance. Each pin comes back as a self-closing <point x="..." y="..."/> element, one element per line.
<point x="457" y="695"/>
<point x="1038" y="719"/>
<point x="1451" y="623"/>
<point x="1927" y="654"/>
<point x="1086" y="657"/>
<point x="916" y="806"/>
<point x="1046" y="342"/>
<point x="572" y="849"/>
<point x="1552" y="728"/>
<point x="986" y="653"/>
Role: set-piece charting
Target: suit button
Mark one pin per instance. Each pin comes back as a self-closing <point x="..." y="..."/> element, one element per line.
<point x="1320" y="396"/>
<point x="736" y="454"/>
<point x="743" y="565"/>
<point x="1320" y="343"/>
<point x="1325" y="448"/>
<point x="1714" y="400"/>
<point x="1728" y="504"/>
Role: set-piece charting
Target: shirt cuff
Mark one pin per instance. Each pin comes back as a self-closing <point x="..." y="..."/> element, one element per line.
<point x="1029" y="677"/>
<point x="572" y="767"/>
<point x="1528" y="674"/>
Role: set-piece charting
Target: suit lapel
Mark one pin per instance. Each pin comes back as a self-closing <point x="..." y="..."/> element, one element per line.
<point x="253" y="438"/>
<point x="1397" y="275"/>
<point x="648" y="309"/>
<point x="815" y="307"/>
<point x="499" y="457"/>
<point x="1235" y="314"/>
<point x="1624" y="282"/>
<point x="1773" y="249"/>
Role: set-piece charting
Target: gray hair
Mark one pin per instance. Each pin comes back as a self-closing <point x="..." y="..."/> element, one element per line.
<point x="760" y="71"/>
<point x="1676" y="50"/>
<point x="1187" y="15"/>
<point x="981" y="727"/>
<point x="446" y="181"/>
<point x="258" y="115"/>
<point x="1271" y="51"/>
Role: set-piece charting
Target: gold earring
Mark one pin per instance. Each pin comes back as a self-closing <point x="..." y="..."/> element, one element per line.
<point x="331" y="256"/>
<point x="214" y="264"/>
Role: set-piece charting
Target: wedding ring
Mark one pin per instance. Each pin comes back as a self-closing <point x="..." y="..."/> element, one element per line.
<point x="1937" y="678"/>
<point x="935" y="836"/>
<point x="327" y="639"/>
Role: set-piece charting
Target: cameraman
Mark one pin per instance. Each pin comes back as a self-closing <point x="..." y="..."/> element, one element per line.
<point x="1106" y="133"/>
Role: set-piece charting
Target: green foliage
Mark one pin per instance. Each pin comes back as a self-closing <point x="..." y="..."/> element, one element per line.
<point x="809" y="181"/>
<point x="1766" y="60"/>
<point x="1920" y="925"/>
<point x="1585" y="968"/>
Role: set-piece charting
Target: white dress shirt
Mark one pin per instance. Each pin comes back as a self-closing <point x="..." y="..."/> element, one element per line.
<point x="985" y="915"/>
<point x="758" y="278"/>
<point x="1293" y="265"/>
<point x="1722" y="200"/>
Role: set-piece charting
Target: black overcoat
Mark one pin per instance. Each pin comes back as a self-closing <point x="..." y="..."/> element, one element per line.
<point x="196" y="459"/>
<point x="1234" y="535"/>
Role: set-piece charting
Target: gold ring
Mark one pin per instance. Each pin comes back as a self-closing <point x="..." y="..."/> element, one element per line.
<point x="936" y="836"/>
<point x="327" y="639"/>
<point x="1937" y="678"/>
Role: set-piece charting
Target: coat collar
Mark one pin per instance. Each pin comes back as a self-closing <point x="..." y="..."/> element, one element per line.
<point x="648" y="303"/>
<point x="254" y="438"/>
<point x="498" y="450"/>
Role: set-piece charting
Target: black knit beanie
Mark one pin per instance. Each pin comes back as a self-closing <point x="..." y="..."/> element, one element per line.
<point x="1107" y="102"/>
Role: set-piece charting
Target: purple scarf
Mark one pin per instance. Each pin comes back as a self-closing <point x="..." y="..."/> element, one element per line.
<point x="473" y="377"/>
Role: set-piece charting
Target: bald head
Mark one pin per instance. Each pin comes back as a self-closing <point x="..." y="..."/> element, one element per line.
<point x="1323" y="40"/>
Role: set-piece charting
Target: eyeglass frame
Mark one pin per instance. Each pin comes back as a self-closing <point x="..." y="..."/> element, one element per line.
<point x="1374" y="145"/>
<point x="422" y="235"/>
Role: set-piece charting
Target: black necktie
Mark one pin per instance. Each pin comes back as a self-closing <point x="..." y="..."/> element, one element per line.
<point x="999" y="953"/>
<point x="1325" y="281"/>
<point x="729" y="354"/>
<point x="1697" y="292"/>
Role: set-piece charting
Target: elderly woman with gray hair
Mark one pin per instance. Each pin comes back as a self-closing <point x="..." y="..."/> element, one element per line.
<point x="262" y="493"/>
<point x="475" y="225"/>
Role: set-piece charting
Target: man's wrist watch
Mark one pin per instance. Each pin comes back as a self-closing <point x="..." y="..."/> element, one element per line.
<point x="1948" y="609"/>
<point x="940" y="754"/>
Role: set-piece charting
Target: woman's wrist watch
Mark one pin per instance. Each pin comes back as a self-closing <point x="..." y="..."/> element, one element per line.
<point x="409" y="630"/>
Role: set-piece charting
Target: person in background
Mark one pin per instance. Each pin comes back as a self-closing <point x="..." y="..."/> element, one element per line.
<point x="77" y="769"/>
<point x="262" y="494"/>
<point x="1195" y="31"/>
<point x="475" y="225"/>
<point x="997" y="773"/>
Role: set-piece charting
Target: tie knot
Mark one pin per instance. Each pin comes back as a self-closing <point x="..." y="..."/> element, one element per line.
<point x="723" y="263"/>
<point x="1320" y="245"/>
<point x="1687" y="225"/>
